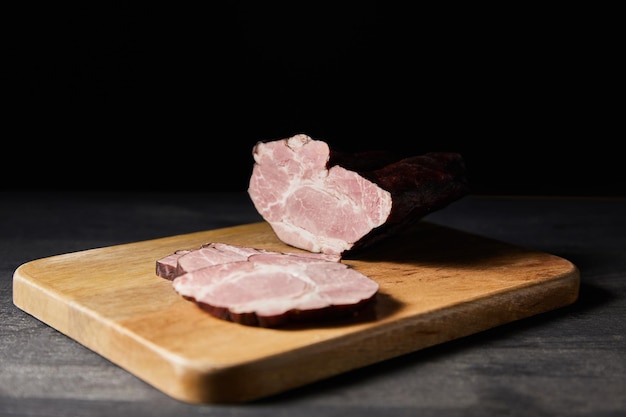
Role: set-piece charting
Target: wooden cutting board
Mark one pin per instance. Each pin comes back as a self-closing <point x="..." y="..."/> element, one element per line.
<point x="436" y="284"/>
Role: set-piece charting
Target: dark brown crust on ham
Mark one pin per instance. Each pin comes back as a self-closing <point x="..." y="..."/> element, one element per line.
<point x="419" y="185"/>
<point x="321" y="315"/>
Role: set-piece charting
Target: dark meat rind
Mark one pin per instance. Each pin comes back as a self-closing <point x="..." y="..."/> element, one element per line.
<point x="419" y="185"/>
<point x="322" y="315"/>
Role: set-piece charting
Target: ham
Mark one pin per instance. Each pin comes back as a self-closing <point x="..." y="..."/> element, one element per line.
<point x="324" y="201"/>
<point x="167" y="267"/>
<point x="327" y="203"/>
<point x="264" y="288"/>
<point x="216" y="253"/>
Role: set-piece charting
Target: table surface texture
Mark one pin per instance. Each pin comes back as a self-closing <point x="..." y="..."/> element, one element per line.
<point x="568" y="361"/>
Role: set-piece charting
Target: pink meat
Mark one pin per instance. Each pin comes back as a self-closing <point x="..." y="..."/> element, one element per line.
<point x="320" y="200"/>
<point x="309" y="206"/>
<point x="266" y="288"/>
<point x="216" y="253"/>
<point x="271" y="290"/>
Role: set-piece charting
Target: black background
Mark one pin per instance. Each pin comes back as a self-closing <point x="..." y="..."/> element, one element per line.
<point x="174" y="97"/>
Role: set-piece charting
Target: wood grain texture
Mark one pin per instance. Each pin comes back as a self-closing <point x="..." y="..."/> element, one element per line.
<point x="436" y="284"/>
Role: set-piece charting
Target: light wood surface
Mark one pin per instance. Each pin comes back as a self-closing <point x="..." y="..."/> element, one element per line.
<point x="436" y="284"/>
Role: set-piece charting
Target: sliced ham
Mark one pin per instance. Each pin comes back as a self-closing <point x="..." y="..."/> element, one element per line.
<point x="216" y="253"/>
<point x="271" y="291"/>
<point x="265" y="288"/>
<point x="324" y="201"/>
<point x="212" y="254"/>
<point x="167" y="267"/>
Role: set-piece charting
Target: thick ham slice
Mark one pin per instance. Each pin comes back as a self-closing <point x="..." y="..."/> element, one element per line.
<point x="321" y="200"/>
<point x="265" y="288"/>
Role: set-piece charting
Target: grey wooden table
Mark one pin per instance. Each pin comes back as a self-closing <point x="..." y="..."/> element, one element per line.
<point x="567" y="362"/>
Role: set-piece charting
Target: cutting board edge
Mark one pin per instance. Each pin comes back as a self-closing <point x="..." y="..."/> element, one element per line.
<point x="34" y="306"/>
<point x="198" y="382"/>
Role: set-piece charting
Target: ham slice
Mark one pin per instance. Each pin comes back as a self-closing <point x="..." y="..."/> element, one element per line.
<point x="168" y="267"/>
<point x="321" y="200"/>
<point x="265" y="288"/>
<point x="217" y="253"/>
